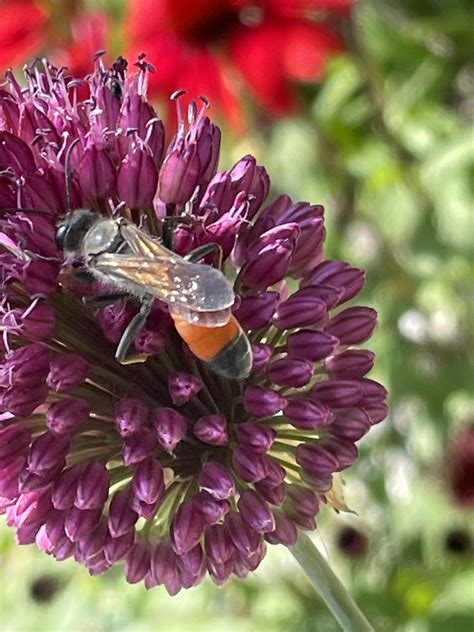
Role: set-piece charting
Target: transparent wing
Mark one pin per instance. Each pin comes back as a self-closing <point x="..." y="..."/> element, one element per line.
<point x="170" y="278"/>
<point x="142" y="244"/>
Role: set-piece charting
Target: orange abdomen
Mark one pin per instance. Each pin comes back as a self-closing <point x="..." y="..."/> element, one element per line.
<point x="206" y="342"/>
<point x="226" y="348"/>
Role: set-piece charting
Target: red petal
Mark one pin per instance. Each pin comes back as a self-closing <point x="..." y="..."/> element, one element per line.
<point x="257" y="53"/>
<point x="22" y="31"/>
<point x="306" y="50"/>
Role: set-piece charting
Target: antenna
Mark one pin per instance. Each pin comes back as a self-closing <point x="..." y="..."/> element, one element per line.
<point x="68" y="172"/>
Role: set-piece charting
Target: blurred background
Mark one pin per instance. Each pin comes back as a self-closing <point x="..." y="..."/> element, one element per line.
<point x="365" y="107"/>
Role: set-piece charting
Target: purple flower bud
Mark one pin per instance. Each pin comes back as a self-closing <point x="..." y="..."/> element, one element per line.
<point x="352" y="363"/>
<point x="285" y="531"/>
<point x="97" y="175"/>
<point x="315" y="459"/>
<point x="27" y="534"/>
<point x="154" y="336"/>
<point x="290" y="372"/>
<point x="29" y="482"/>
<point x="351" y="424"/>
<point x="263" y="402"/>
<point x="257" y="437"/>
<point x="304" y="500"/>
<point x="94" y="543"/>
<point x="64" y="489"/>
<point x="64" y="549"/>
<point x="338" y="274"/>
<point x="186" y="528"/>
<point x="137" y="562"/>
<point x="170" y="427"/>
<point x="137" y="178"/>
<point x="274" y="494"/>
<point x="243" y="563"/>
<point x="173" y="584"/>
<point x="137" y="114"/>
<point x="218" y="544"/>
<point x="216" y="480"/>
<point x="307" y="523"/>
<point x="190" y="161"/>
<point x="191" y="562"/>
<point x="40" y="276"/>
<point x="377" y="412"/>
<point x="148" y="481"/>
<point x="28" y="365"/>
<point x="305" y="413"/>
<point x="80" y="522"/>
<point x="212" y="429"/>
<point x="9" y="478"/>
<point x="22" y="400"/>
<point x="345" y="452"/>
<point x="146" y="510"/>
<point x="32" y="507"/>
<point x="117" y="548"/>
<point x="320" y="483"/>
<point x="211" y="509"/>
<point x="245" y="175"/>
<point x="51" y="533"/>
<point x="261" y="354"/>
<point x="121" y="517"/>
<point x="183" y="387"/>
<point x="65" y="416"/>
<point x="255" y="511"/>
<point x="373" y="393"/>
<point x="248" y="465"/>
<point x="131" y="415"/>
<point x="113" y="319"/>
<point x="93" y="486"/>
<point x="268" y="259"/>
<point x="14" y="439"/>
<point x="139" y="447"/>
<point x="275" y="473"/>
<point x="47" y="451"/>
<point x="97" y="565"/>
<point x="66" y="372"/>
<point x="353" y="325"/>
<point x="255" y="312"/>
<point x="37" y="323"/>
<point x="300" y="310"/>
<point x="337" y="393"/>
<point x="220" y="573"/>
<point x="245" y="539"/>
<point x="163" y="561"/>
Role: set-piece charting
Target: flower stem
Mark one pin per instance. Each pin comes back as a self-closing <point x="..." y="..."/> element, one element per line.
<point x="328" y="586"/>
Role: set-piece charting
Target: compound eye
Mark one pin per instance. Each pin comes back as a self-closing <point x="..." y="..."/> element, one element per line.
<point x="61" y="235"/>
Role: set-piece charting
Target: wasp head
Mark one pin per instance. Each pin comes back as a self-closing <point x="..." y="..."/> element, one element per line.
<point x="71" y="232"/>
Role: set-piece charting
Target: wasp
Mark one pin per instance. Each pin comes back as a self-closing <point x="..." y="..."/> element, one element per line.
<point x="199" y="297"/>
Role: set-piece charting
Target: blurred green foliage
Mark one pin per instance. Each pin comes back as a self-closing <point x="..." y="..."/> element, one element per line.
<point x="386" y="145"/>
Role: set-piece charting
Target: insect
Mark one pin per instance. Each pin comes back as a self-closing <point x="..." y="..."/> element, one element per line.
<point x="199" y="296"/>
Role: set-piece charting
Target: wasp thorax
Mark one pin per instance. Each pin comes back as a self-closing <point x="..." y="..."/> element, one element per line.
<point x="104" y="236"/>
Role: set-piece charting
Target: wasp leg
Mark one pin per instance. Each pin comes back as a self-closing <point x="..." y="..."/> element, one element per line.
<point x="133" y="328"/>
<point x="102" y="300"/>
<point x="202" y="251"/>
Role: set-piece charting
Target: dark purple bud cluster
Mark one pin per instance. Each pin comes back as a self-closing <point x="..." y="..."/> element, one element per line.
<point x="164" y="465"/>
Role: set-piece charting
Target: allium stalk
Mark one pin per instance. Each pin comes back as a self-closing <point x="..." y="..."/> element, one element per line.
<point x="165" y="465"/>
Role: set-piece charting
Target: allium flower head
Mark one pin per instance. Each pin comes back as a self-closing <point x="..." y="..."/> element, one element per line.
<point x="165" y="464"/>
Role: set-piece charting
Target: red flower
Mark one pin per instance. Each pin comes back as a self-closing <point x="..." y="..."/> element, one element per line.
<point x="70" y="36"/>
<point x="207" y="46"/>
<point x="22" y="30"/>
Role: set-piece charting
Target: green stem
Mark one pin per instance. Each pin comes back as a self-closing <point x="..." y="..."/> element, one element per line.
<point x="328" y="586"/>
